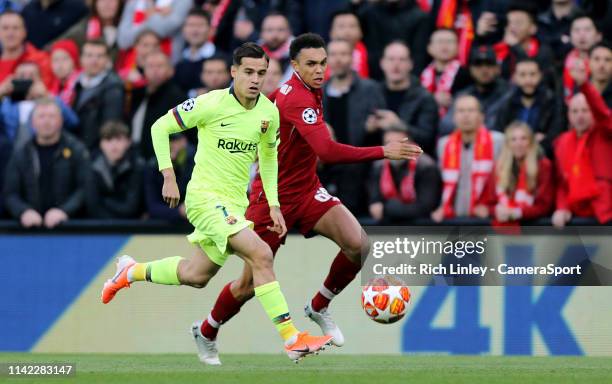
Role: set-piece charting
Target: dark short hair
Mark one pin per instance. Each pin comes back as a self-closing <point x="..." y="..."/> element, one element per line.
<point x="582" y="15"/>
<point x="97" y="42"/>
<point x="342" y="12"/>
<point x="112" y="129"/>
<point x="144" y="33"/>
<point x="12" y="12"/>
<point x="601" y="44"/>
<point x="218" y="57"/>
<point x="251" y="50"/>
<point x="276" y="13"/>
<point x="304" y="41"/>
<point x="116" y="19"/>
<point x="399" y="42"/>
<point x="198" y="12"/>
<point x="529" y="60"/>
<point x="443" y="29"/>
<point x="340" y="41"/>
<point x="523" y="6"/>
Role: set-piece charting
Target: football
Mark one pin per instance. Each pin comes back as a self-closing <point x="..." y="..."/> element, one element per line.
<point x="385" y="299"/>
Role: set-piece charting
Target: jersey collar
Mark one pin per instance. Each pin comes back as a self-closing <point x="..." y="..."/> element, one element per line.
<point x="297" y="77"/>
<point x="233" y="93"/>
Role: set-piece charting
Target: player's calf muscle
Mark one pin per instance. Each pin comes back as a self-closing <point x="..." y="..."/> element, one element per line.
<point x="243" y="289"/>
<point x="195" y="273"/>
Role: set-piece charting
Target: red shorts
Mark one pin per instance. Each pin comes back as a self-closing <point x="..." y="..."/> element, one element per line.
<point x="303" y="215"/>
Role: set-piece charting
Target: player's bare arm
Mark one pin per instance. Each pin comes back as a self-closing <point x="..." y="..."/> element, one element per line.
<point x="170" y="190"/>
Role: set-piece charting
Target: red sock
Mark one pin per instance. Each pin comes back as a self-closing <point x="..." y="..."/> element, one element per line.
<point x="225" y="308"/>
<point x="341" y="273"/>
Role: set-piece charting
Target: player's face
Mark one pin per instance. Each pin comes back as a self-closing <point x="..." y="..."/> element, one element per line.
<point x="519" y="141"/>
<point x="249" y="76"/>
<point x="310" y="64"/>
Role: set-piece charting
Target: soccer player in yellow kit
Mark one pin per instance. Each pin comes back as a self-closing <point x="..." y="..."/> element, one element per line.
<point x="235" y="126"/>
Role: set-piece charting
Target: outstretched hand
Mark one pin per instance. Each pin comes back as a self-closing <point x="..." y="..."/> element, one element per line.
<point x="402" y="150"/>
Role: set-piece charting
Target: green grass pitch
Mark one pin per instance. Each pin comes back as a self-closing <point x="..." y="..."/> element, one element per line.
<point x="325" y="369"/>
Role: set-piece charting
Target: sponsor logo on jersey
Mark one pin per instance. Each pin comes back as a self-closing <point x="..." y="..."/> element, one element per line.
<point x="264" y="126"/>
<point x="236" y="146"/>
<point x="231" y="220"/>
<point x="309" y="116"/>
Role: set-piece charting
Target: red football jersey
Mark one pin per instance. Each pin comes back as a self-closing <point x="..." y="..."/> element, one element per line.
<point x="304" y="137"/>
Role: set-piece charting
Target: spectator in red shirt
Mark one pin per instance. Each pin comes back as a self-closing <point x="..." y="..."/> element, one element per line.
<point x="275" y="40"/>
<point x="66" y="69"/>
<point x="403" y="190"/>
<point x="583" y="36"/>
<point x="521" y="188"/>
<point x="466" y="159"/>
<point x="16" y="50"/>
<point x="583" y="153"/>
<point x="444" y="76"/>
<point x="131" y="68"/>
<point x="101" y="23"/>
<point x="345" y="26"/>
<point x="520" y="40"/>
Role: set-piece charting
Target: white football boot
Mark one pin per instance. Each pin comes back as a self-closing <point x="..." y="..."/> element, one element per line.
<point x="327" y="324"/>
<point x="207" y="349"/>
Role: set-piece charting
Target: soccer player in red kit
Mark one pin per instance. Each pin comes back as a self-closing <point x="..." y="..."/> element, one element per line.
<point x="305" y="204"/>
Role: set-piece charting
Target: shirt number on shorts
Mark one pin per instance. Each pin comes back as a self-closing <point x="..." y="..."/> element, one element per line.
<point x="323" y="196"/>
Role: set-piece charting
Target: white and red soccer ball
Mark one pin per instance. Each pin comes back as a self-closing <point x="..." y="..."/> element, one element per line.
<point x="385" y="299"/>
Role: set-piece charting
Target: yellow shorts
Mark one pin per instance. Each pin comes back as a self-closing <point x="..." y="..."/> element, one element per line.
<point x="215" y="220"/>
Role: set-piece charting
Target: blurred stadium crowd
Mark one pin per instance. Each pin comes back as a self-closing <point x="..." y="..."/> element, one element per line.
<point x="509" y="99"/>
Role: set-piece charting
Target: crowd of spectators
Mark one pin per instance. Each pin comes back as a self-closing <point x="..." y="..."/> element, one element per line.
<point x="509" y="99"/>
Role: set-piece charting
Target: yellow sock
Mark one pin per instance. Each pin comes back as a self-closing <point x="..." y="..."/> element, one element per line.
<point x="137" y="272"/>
<point x="275" y="305"/>
<point x="164" y="271"/>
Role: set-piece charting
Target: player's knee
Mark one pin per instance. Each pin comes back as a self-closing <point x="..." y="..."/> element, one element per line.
<point x="356" y="246"/>
<point x="262" y="258"/>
